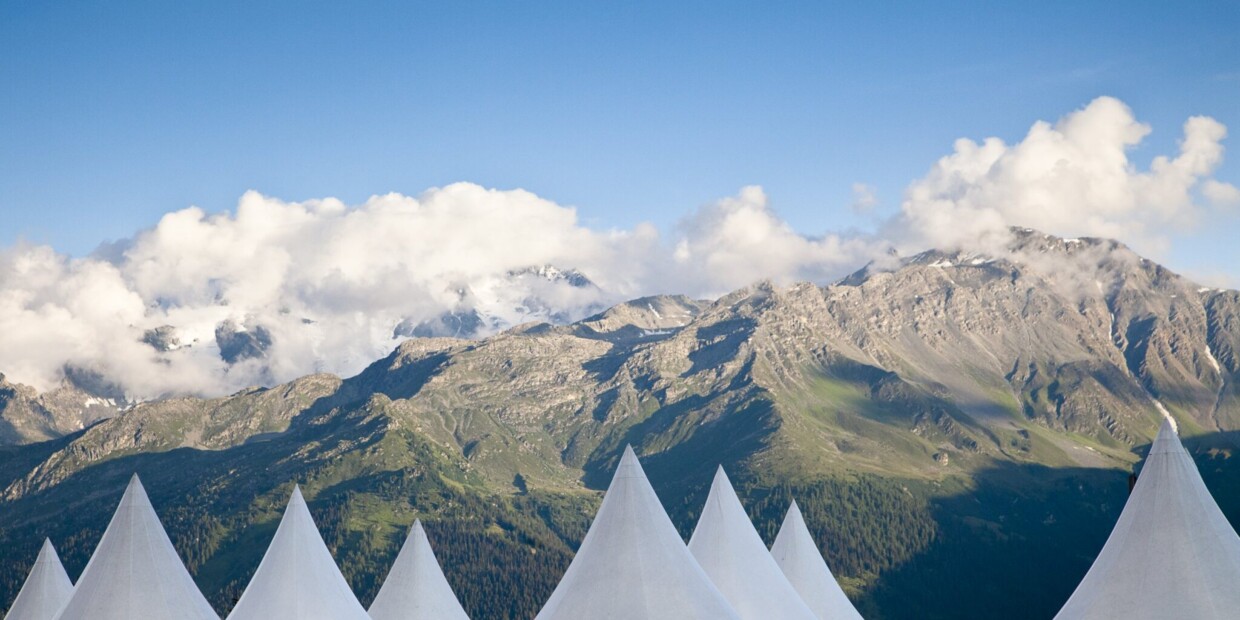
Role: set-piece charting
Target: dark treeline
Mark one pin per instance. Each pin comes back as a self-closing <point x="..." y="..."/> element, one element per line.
<point x="1013" y="543"/>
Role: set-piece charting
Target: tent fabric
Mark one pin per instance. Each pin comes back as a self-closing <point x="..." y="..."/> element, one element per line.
<point x="633" y="565"/>
<point x="415" y="588"/>
<point x="46" y="590"/>
<point x="802" y="563"/>
<point x="733" y="555"/>
<point x="1172" y="553"/>
<point x="135" y="571"/>
<point x="297" y="578"/>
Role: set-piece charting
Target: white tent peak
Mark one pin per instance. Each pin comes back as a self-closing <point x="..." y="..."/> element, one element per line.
<point x="135" y="493"/>
<point x="629" y="466"/>
<point x="1167" y="440"/>
<point x="297" y="578"/>
<point x="633" y="564"/>
<point x="135" y="571"/>
<point x="1172" y="553"/>
<point x="46" y="589"/>
<point x="732" y="553"/>
<point x="802" y="563"/>
<point x="415" y="588"/>
<point x="296" y="498"/>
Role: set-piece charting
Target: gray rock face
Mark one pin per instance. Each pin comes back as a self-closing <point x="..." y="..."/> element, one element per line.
<point x="646" y="318"/>
<point x="27" y="416"/>
<point x="456" y="324"/>
<point x="238" y="343"/>
<point x="551" y="273"/>
<point x="1084" y="334"/>
<point x="163" y="338"/>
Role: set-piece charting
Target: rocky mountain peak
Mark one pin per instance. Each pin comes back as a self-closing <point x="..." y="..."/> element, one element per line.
<point x="641" y="319"/>
<point x="81" y="399"/>
<point x="552" y="273"/>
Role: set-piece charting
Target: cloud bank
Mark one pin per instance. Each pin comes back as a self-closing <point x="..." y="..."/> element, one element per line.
<point x="1071" y="178"/>
<point x="207" y="304"/>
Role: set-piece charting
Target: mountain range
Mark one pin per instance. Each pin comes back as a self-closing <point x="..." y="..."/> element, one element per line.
<point x="957" y="427"/>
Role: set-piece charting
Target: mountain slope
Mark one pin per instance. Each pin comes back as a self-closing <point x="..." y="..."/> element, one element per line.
<point x="27" y="416"/>
<point x="947" y="409"/>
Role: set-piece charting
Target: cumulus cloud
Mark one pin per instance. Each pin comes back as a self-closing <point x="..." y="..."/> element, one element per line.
<point x="211" y="303"/>
<point x="1221" y="194"/>
<point x="207" y="304"/>
<point x="865" y="198"/>
<point x="739" y="240"/>
<point x="1073" y="177"/>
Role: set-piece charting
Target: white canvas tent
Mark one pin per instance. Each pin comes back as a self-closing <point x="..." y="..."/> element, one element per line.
<point x="801" y="562"/>
<point x="135" y="571"/>
<point x="732" y="553"/>
<point x="1172" y="553"/>
<point x="415" y="588"/>
<point x="633" y="564"/>
<point x="46" y="590"/>
<point x="297" y="578"/>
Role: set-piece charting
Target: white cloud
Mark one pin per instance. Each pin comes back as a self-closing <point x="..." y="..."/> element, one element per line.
<point x="739" y="240"/>
<point x="865" y="198"/>
<point x="1221" y="194"/>
<point x="329" y="285"/>
<point x="1071" y="178"/>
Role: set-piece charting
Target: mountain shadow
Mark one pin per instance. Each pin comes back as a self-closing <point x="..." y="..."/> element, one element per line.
<point x="1018" y="543"/>
<point x="1012" y="541"/>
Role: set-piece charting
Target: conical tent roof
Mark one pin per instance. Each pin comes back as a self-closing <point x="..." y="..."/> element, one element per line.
<point x="633" y="565"/>
<point x="298" y="579"/>
<point x="46" y="590"/>
<point x="732" y="553"/>
<point x="1172" y="553"/>
<point x="135" y="571"/>
<point x="415" y="588"/>
<point x="798" y="557"/>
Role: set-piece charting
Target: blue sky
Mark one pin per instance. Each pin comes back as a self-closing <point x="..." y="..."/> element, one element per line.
<point x="115" y="113"/>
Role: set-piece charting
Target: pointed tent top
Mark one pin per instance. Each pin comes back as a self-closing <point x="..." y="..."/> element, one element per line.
<point x="1172" y="553"/>
<point x="46" y="589"/>
<point x="1168" y="439"/>
<point x="798" y="557"/>
<point x="629" y="466"/>
<point x="135" y="571"/>
<point x="415" y="588"/>
<point x="1168" y="425"/>
<point x="297" y="578"/>
<point x="721" y="487"/>
<point x="794" y="519"/>
<point x="729" y="549"/>
<point x="633" y="564"/>
<point x="135" y="493"/>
